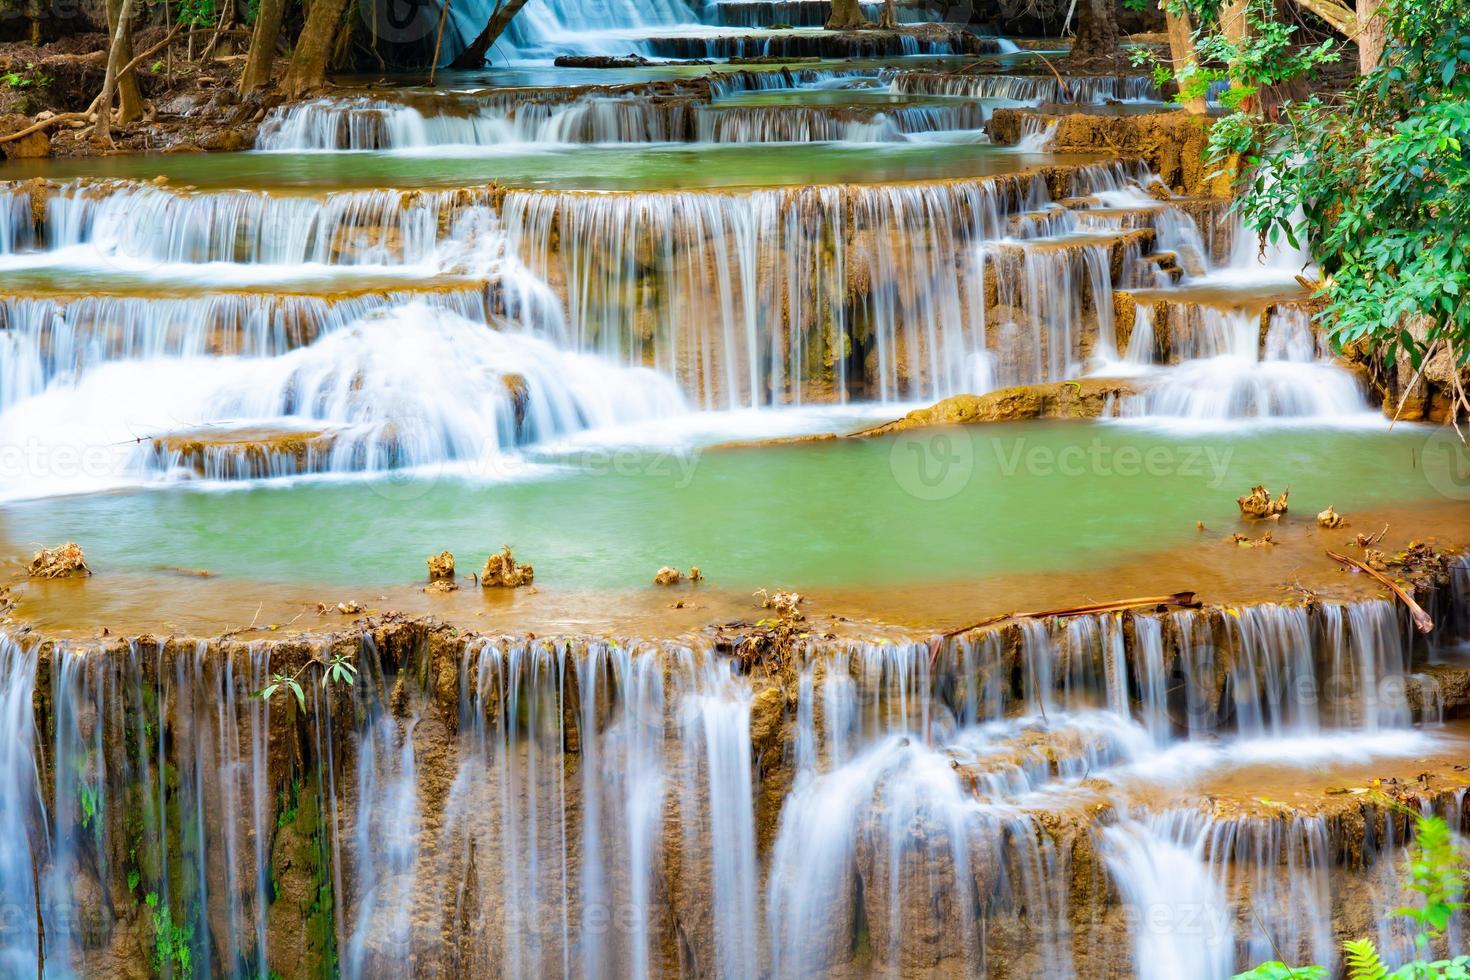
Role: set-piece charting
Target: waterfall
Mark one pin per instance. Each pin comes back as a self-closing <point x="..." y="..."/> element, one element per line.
<point x="1030" y="88"/>
<point x="572" y="807"/>
<point x="1226" y="371"/>
<point x="410" y="387"/>
<point x="373" y="124"/>
<point x="545" y="28"/>
<point x="24" y="813"/>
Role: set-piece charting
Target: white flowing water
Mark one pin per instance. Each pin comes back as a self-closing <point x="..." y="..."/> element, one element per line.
<point x="594" y="799"/>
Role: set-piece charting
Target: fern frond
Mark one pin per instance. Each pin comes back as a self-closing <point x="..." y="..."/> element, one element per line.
<point x="1363" y="961"/>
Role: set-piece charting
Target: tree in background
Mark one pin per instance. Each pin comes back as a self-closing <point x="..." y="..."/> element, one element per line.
<point x="1376" y="181"/>
<point x="846" y="15"/>
<point x="500" y="18"/>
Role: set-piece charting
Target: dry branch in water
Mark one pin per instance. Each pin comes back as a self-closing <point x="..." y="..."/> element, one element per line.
<point x="1185" y="600"/>
<point x="1422" y="622"/>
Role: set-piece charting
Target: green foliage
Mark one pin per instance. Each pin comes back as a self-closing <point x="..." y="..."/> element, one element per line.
<point x="1436" y="875"/>
<point x="291" y="684"/>
<point x="30" y="78"/>
<point x="198" y="13"/>
<point x="171" y="955"/>
<point x="1379" y="183"/>
<point x="1276" y="970"/>
<point x="1363" y="962"/>
<point x="340" y="670"/>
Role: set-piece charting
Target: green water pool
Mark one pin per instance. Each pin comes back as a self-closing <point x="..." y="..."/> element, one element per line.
<point x="941" y="505"/>
<point x="606" y="167"/>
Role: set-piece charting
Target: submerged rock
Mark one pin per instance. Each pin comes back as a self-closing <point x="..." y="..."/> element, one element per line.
<point x="65" y="561"/>
<point x="501" y="571"/>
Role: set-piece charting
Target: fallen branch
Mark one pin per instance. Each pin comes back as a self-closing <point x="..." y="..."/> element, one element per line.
<point x="1186" y="600"/>
<point x="1422" y="622"/>
<point x="86" y="114"/>
<point x="1061" y="82"/>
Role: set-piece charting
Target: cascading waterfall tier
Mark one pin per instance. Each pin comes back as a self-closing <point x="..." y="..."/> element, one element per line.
<point x="376" y="124"/>
<point x="685" y="111"/>
<point x="743" y="298"/>
<point x="573" y="807"/>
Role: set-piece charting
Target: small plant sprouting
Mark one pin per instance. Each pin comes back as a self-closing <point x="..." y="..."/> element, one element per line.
<point x="340" y="670"/>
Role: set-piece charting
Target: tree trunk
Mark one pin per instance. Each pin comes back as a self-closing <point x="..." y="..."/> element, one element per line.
<point x="1097" y="31"/>
<point x="1371" y="35"/>
<point x="262" y="56"/>
<point x="846" y="15"/>
<point x="308" y="67"/>
<point x="1182" y="53"/>
<point x="1236" y="28"/>
<point x="115" y="64"/>
<point x="474" y="56"/>
<point x="119" y="24"/>
<point x="889" y="18"/>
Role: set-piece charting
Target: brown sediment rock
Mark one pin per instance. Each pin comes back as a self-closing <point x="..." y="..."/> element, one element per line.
<point x="1330" y="519"/>
<point x="668" y="575"/>
<point x="63" y="561"/>
<point x="1172" y="143"/>
<point x="441" y="574"/>
<point x="1088" y="398"/>
<point x="1258" y="504"/>
<point x="33" y="147"/>
<point x="245" y="453"/>
<point x="520" y="397"/>
<point x="441" y="566"/>
<point x="501" y="571"/>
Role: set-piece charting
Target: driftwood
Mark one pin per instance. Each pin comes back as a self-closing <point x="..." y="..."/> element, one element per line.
<point x="1422" y="621"/>
<point x="1186" y="600"/>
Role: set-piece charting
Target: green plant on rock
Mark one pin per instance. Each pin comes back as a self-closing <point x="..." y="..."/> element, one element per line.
<point x="339" y="670"/>
<point x="1437" y="875"/>
<point x="171" y="951"/>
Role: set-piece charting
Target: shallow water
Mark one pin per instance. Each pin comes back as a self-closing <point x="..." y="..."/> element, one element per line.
<point x="639" y="167"/>
<point x="937" y="506"/>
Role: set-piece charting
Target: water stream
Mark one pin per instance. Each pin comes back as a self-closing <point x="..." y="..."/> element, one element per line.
<point x="426" y="318"/>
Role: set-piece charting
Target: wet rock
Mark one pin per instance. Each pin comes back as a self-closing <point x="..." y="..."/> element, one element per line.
<point x="1088" y="398"/>
<point x="1258" y="504"/>
<point x="65" y="561"/>
<point x="441" y="566"/>
<point x="1330" y="519"/>
<point x="501" y="571"/>
<point x="668" y="575"/>
<point x="248" y="454"/>
<point x="1172" y="143"/>
<point x="33" y="147"/>
<point x="601" y="61"/>
<point x="520" y="397"/>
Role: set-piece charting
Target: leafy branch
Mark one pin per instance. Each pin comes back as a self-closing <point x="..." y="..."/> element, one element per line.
<point x="339" y="670"/>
